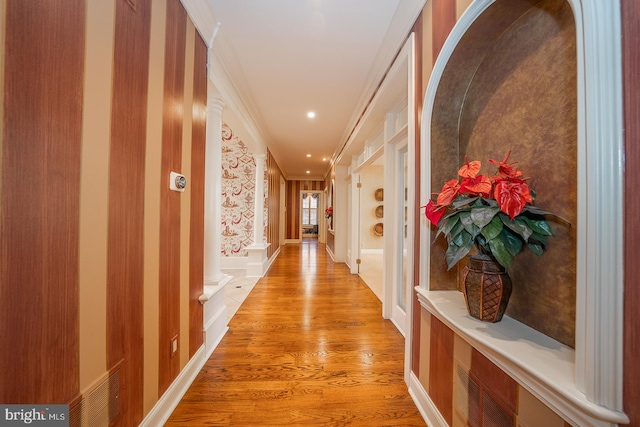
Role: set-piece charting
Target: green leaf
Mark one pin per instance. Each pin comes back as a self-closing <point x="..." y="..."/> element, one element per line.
<point x="492" y="229"/>
<point x="456" y="230"/>
<point x="511" y="241"/>
<point x="447" y="224"/>
<point x="538" y="238"/>
<point x="536" y="248"/>
<point x="457" y="251"/>
<point x="539" y="226"/>
<point x="517" y="225"/>
<point x="500" y="252"/>
<point x="461" y="201"/>
<point x="469" y="226"/>
<point x="537" y="211"/>
<point x="483" y="215"/>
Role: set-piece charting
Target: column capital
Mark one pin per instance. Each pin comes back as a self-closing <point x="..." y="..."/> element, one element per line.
<point x="215" y="101"/>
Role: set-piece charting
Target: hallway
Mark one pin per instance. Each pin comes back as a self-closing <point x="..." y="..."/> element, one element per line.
<point x="307" y="347"/>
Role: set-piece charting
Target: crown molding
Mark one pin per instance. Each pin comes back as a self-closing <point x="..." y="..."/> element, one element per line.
<point x="399" y="28"/>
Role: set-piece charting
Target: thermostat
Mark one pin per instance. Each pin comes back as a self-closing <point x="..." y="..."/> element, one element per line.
<point x="177" y="182"/>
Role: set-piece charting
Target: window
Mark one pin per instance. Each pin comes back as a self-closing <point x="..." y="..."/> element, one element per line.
<point x="310" y="208"/>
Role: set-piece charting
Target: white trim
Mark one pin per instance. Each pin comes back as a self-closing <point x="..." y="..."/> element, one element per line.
<point x="425" y="405"/>
<point x="234" y="262"/>
<point x="598" y="364"/>
<point x="539" y="363"/>
<point x="257" y="261"/>
<point x="372" y="251"/>
<point x="163" y="408"/>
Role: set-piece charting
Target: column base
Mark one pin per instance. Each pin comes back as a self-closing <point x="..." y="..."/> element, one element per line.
<point x="215" y="313"/>
<point x="257" y="262"/>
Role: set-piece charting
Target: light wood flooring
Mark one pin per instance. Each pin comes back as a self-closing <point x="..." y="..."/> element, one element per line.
<point x="308" y="347"/>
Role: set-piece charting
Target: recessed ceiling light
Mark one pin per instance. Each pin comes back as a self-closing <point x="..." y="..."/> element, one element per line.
<point x="308" y="171"/>
<point x="308" y="155"/>
<point x="311" y="114"/>
<point x="324" y="159"/>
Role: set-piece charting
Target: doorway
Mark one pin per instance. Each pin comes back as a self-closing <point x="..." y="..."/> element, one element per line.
<point x="310" y="213"/>
<point x="370" y="222"/>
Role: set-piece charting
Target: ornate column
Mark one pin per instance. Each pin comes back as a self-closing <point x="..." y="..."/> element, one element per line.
<point x="213" y="193"/>
<point x="258" y="262"/>
<point x="213" y="297"/>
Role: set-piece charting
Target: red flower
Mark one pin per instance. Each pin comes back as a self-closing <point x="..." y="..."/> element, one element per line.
<point x="505" y="169"/>
<point x="512" y="196"/>
<point x="480" y="185"/>
<point x="433" y="213"/>
<point x="469" y="169"/>
<point x="448" y="192"/>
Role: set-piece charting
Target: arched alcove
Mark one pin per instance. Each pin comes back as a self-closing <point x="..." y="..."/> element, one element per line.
<point x="506" y="80"/>
<point x="510" y="85"/>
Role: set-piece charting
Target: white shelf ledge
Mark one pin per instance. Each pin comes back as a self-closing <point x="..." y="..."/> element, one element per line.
<point x="542" y="365"/>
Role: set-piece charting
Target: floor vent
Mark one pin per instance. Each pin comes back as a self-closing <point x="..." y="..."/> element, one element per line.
<point x="99" y="406"/>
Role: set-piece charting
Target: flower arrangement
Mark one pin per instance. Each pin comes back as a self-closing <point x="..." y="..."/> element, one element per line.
<point x="494" y="214"/>
<point x="328" y="213"/>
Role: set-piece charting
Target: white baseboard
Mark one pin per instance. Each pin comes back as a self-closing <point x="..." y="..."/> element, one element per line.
<point x="272" y="259"/>
<point x="424" y="403"/>
<point x="330" y="252"/>
<point x="162" y="410"/>
<point x="292" y="241"/>
<point x="234" y="262"/>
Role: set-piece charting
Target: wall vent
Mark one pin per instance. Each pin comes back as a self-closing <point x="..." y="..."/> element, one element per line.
<point x="99" y="406"/>
<point x="475" y="404"/>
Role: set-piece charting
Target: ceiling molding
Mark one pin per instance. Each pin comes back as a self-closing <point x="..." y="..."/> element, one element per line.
<point x="401" y="24"/>
<point x="202" y="17"/>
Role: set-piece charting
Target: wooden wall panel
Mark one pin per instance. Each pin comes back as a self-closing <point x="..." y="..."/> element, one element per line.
<point x="175" y="39"/>
<point x="273" y="230"/>
<point x="39" y="216"/>
<point x="125" y="271"/>
<point x="196" y="259"/>
<point x="418" y="30"/>
<point x="444" y="18"/>
<point x="495" y="380"/>
<point x="631" y="70"/>
<point x="441" y="368"/>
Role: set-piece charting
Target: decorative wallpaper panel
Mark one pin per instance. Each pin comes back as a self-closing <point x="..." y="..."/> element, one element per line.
<point x="238" y="193"/>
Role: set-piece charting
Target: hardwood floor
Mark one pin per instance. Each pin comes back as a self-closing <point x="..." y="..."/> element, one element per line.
<point x="307" y="347"/>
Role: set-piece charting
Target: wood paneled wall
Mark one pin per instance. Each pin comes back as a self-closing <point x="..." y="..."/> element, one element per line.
<point x="631" y="71"/>
<point x="273" y="205"/>
<point x="170" y="200"/>
<point x="294" y="205"/>
<point x="418" y="30"/>
<point x="40" y="200"/>
<point x="153" y="122"/>
<point x="444" y="18"/>
<point x="441" y="368"/>
<point x="196" y="264"/>
<point x="125" y="264"/>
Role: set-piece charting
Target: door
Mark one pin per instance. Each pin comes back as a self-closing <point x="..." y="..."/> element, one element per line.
<point x="401" y="251"/>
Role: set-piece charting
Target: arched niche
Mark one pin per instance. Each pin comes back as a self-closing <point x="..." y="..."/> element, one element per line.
<point x="510" y="85"/>
<point x="491" y="91"/>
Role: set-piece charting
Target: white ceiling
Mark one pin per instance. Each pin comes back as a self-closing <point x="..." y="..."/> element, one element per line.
<point x="284" y="58"/>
